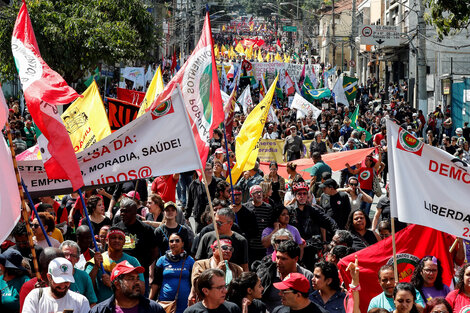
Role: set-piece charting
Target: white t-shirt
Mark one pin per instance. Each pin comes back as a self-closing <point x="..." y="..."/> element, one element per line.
<point x="47" y="304"/>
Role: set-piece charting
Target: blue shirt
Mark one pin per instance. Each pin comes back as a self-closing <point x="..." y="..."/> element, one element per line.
<point x="384" y="302"/>
<point x="11" y="293"/>
<point x="334" y="305"/>
<point x="171" y="276"/>
<point x="83" y="285"/>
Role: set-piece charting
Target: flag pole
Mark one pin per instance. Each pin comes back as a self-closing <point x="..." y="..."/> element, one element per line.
<point x="395" y="266"/>
<point x="89" y="224"/>
<point x="31" y="204"/>
<point x="24" y="212"/>
<point x="229" y="169"/>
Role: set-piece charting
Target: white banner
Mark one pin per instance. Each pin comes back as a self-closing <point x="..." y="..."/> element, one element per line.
<point x="294" y="70"/>
<point x="304" y="108"/>
<point x="135" y="74"/>
<point x="428" y="186"/>
<point x="160" y="142"/>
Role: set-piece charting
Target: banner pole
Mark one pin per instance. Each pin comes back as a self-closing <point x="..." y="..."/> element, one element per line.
<point x="229" y="169"/>
<point x="31" y="204"/>
<point x="395" y="266"/>
<point x="24" y="212"/>
<point x="89" y="224"/>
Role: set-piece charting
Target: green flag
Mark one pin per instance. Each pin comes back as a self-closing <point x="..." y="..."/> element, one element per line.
<point x="320" y="93"/>
<point x="350" y="87"/>
<point x="356" y="127"/>
<point x="95" y="76"/>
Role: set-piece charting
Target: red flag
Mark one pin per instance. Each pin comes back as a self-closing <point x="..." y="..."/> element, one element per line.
<point x="302" y="77"/>
<point x="201" y="91"/>
<point x="44" y="89"/>
<point x="229" y="110"/>
<point x="290" y="88"/>
<point x="259" y="42"/>
<point x="278" y="44"/>
<point x="413" y="243"/>
<point x="173" y="62"/>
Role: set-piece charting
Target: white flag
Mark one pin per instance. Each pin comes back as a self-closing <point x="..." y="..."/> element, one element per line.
<point x="338" y="92"/>
<point x="245" y="100"/>
<point x="10" y="201"/>
<point x="135" y="74"/>
<point x="428" y="186"/>
<point x="304" y="108"/>
<point x="272" y="118"/>
<point x="223" y="80"/>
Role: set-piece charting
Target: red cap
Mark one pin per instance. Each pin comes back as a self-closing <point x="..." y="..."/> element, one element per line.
<point x="294" y="281"/>
<point x="133" y="195"/>
<point x="125" y="267"/>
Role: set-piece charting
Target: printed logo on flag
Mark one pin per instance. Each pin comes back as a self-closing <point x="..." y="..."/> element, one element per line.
<point x="350" y="88"/>
<point x="166" y="107"/>
<point x="406" y="264"/>
<point x="409" y="143"/>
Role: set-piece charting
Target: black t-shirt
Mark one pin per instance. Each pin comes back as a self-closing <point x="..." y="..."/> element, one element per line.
<point x="257" y="306"/>
<point x="239" y="244"/>
<point x="263" y="217"/>
<point x="163" y="233"/>
<point x="226" y="307"/>
<point x="337" y="207"/>
<point x="247" y="222"/>
<point x="311" y="308"/>
<point x="140" y="241"/>
<point x="384" y="204"/>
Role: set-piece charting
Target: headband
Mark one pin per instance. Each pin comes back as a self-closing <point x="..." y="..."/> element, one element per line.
<point x="255" y="189"/>
<point x="237" y="192"/>
<point x="222" y="242"/>
<point x="116" y="231"/>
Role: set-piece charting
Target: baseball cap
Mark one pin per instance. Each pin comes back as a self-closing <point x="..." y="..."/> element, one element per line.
<point x="329" y="183"/>
<point x="294" y="281"/>
<point x="169" y="203"/>
<point x="219" y="150"/>
<point x="459" y="131"/>
<point x="125" y="267"/>
<point x="61" y="270"/>
<point x="12" y="259"/>
<point x="133" y="195"/>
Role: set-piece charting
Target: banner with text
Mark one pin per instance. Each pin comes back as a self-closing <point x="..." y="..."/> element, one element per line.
<point x="271" y="149"/>
<point x="143" y="148"/>
<point x="428" y="186"/>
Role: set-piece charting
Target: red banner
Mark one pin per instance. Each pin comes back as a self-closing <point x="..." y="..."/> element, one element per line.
<point x="131" y="96"/>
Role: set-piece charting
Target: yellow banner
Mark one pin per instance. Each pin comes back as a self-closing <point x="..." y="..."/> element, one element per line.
<point x="271" y="150"/>
<point x="86" y="120"/>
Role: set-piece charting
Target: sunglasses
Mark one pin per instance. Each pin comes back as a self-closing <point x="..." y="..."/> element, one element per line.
<point x="353" y="184"/>
<point x="278" y="241"/>
<point x="226" y="248"/>
<point x="175" y="241"/>
<point x="35" y="225"/>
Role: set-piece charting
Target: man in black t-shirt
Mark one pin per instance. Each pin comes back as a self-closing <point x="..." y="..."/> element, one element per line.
<point x="140" y="239"/>
<point x="294" y="295"/>
<point x="335" y="203"/>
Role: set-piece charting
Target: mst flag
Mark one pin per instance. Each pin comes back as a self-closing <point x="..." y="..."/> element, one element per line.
<point x="201" y="91"/>
<point x="246" y="146"/>
<point x="428" y="186"/>
<point x="86" y="120"/>
<point x="10" y="201"/>
<point x="43" y="90"/>
<point x="412" y="243"/>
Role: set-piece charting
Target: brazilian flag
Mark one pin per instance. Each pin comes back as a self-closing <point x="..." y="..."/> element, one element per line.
<point x="357" y="127"/>
<point x="321" y="93"/>
<point x="308" y="85"/>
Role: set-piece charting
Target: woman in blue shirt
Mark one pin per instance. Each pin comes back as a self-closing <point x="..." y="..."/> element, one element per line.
<point x="170" y="267"/>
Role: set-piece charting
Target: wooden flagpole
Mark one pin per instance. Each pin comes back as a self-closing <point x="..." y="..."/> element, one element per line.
<point x="395" y="266"/>
<point x="24" y="212"/>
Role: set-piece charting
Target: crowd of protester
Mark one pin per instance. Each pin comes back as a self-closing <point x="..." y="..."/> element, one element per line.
<point x="279" y="238"/>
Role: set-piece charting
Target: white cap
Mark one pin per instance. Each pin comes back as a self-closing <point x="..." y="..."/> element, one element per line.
<point x="459" y="130"/>
<point x="61" y="270"/>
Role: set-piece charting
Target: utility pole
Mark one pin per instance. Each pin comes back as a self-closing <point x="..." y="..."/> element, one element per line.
<point x="421" y="60"/>
<point x="352" y="69"/>
<point x="333" y="38"/>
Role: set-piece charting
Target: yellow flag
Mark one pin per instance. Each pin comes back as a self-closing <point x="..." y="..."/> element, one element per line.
<point x="232" y="53"/>
<point x="155" y="88"/>
<point x="216" y="51"/>
<point x="268" y="58"/>
<point x="223" y="49"/>
<point x="223" y="27"/>
<point x="285" y="58"/>
<point x="249" y="53"/>
<point x="260" y="57"/>
<point x="239" y="48"/>
<point x="246" y="145"/>
<point x="278" y="58"/>
<point x="86" y="120"/>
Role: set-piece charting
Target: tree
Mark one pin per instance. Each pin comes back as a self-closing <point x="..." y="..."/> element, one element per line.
<point x="75" y="35"/>
<point x="448" y="16"/>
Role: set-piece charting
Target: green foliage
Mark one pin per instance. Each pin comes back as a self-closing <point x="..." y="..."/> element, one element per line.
<point x="448" y="16"/>
<point x="75" y="35"/>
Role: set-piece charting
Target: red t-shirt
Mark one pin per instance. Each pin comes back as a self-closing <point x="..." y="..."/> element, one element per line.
<point x="165" y="186"/>
<point x="55" y="206"/>
<point x="378" y="138"/>
<point x="366" y="177"/>
<point x="458" y="301"/>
